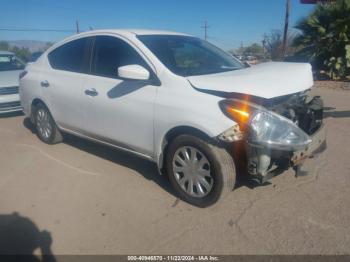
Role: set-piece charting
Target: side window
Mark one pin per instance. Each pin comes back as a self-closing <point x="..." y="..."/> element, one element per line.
<point x="111" y="53"/>
<point x="71" y="56"/>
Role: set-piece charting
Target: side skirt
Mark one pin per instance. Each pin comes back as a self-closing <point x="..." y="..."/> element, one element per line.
<point x="103" y="142"/>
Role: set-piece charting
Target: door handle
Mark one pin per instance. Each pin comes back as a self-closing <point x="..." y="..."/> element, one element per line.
<point x="45" y="83"/>
<point x="91" y="92"/>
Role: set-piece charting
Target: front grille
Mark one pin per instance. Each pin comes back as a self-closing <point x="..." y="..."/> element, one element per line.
<point x="9" y="90"/>
<point x="9" y="105"/>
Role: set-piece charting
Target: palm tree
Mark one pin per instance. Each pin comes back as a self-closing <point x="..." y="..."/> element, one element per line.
<point x="325" y="38"/>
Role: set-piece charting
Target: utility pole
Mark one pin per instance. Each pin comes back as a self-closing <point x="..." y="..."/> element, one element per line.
<point x="77" y="26"/>
<point x="286" y="25"/>
<point x="241" y="49"/>
<point x="205" y="29"/>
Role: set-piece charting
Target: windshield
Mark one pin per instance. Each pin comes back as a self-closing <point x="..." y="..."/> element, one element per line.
<point x="10" y="63"/>
<point x="188" y="56"/>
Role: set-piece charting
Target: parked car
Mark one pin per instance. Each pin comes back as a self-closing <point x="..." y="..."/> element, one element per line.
<point x="10" y="69"/>
<point x="178" y="101"/>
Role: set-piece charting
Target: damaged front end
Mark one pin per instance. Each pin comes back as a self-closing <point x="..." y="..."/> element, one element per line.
<point x="277" y="133"/>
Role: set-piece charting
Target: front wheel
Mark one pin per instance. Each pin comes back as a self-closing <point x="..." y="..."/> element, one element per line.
<point x="200" y="172"/>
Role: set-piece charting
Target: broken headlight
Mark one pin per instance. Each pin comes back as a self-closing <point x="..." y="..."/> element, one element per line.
<point x="275" y="131"/>
<point x="264" y="127"/>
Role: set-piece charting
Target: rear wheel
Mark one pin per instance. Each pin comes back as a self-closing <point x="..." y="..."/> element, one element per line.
<point x="200" y="172"/>
<point x="46" y="128"/>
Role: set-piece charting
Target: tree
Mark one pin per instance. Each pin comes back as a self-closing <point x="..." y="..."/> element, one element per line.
<point x="4" y="46"/>
<point x="273" y="43"/>
<point x="23" y="53"/>
<point x="47" y="46"/>
<point x="325" y="38"/>
<point x="255" y="50"/>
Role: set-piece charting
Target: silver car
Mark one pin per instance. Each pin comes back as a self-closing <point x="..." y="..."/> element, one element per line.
<point x="10" y="69"/>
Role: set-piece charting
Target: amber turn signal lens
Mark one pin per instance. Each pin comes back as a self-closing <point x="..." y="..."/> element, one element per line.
<point x="238" y="110"/>
<point x="238" y="114"/>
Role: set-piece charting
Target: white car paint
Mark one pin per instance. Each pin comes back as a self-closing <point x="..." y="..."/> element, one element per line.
<point x="138" y="116"/>
<point x="65" y="96"/>
<point x="135" y="72"/>
<point x="266" y="80"/>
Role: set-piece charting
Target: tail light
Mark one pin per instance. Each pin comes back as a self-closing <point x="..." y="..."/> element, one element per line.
<point x="22" y="74"/>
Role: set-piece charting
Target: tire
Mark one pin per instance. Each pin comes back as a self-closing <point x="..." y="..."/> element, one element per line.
<point x="220" y="166"/>
<point x="46" y="128"/>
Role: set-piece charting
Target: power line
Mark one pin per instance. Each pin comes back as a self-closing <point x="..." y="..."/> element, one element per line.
<point x="35" y="30"/>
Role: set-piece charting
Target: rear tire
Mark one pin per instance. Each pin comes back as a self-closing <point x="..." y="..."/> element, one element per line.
<point x="46" y="128"/>
<point x="199" y="171"/>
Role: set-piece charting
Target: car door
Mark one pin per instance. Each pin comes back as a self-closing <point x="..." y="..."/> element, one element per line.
<point x="62" y="82"/>
<point x="119" y="111"/>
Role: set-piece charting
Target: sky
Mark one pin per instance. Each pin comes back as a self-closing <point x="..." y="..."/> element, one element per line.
<point x="231" y="22"/>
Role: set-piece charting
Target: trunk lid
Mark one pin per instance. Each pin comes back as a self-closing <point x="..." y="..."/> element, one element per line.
<point x="267" y="80"/>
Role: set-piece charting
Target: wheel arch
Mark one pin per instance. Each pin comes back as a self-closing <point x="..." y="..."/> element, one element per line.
<point x="35" y="102"/>
<point x="171" y="135"/>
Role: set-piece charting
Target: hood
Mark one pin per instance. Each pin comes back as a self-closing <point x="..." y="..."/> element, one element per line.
<point x="9" y="78"/>
<point x="267" y="80"/>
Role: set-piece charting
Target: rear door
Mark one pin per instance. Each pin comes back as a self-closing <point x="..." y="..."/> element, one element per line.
<point x="62" y="82"/>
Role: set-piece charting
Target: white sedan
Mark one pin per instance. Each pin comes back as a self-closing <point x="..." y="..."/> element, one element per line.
<point x="178" y="101"/>
<point x="10" y="69"/>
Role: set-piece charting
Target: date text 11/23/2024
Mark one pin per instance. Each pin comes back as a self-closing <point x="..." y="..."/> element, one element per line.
<point x="173" y="258"/>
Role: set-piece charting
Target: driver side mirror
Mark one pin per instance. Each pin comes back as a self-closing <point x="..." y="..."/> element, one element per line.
<point x="133" y="72"/>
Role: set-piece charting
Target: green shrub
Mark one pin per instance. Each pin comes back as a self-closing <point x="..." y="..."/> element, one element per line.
<point x="325" y="38"/>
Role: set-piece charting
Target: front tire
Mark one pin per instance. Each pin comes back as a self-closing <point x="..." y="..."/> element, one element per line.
<point x="46" y="128"/>
<point x="199" y="171"/>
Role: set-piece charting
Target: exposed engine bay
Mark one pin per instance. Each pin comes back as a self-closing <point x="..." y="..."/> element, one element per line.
<point x="305" y="111"/>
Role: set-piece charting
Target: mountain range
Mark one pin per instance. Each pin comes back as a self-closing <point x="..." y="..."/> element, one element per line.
<point x="32" y="45"/>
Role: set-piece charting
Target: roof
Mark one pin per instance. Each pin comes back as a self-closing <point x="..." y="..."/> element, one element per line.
<point x="134" y="32"/>
<point x="128" y="33"/>
<point x="6" y="53"/>
<point x="153" y="32"/>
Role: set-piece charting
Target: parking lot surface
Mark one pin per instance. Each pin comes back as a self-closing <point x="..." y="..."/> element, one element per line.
<point x="92" y="199"/>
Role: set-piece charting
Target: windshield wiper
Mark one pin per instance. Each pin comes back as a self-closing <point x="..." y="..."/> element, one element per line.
<point x="229" y="68"/>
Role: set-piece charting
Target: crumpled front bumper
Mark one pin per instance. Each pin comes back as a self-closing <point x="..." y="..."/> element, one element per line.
<point x="264" y="163"/>
<point x="317" y="145"/>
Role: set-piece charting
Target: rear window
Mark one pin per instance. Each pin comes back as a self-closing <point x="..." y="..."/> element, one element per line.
<point x="71" y="56"/>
